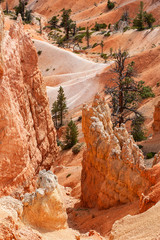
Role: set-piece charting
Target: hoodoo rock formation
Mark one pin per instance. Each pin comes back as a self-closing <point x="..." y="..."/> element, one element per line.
<point x="27" y="135"/>
<point x="113" y="165"/>
<point x="44" y="208"/>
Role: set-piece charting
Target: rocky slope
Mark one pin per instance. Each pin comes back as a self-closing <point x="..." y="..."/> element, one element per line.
<point x="142" y="226"/>
<point x="27" y="135"/>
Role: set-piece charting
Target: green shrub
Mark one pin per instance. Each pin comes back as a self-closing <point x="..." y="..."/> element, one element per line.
<point x="158" y="84"/>
<point x="71" y="136"/>
<point x="147" y="92"/>
<point x="150" y="155"/>
<point x="110" y="5"/>
<point x="68" y="175"/>
<point x="138" y="132"/>
<point x="107" y="34"/>
<point x="79" y="37"/>
<point x="76" y="149"/>
<point x="81" y="28"/>
<point x="99" y="26"/>
<point x="94" y="45"/>
<point x="39" y="52"/>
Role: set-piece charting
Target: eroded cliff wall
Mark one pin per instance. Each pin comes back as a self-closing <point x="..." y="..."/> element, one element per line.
<point x="113" y="165"/>
<point x="27" y="135"/>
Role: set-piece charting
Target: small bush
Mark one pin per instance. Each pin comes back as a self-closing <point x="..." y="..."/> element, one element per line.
<point x="68" y="175"/>
<point x="138" y="132"/>
<point x="140" y="146"/>
<point x="150" y="155"/>
<point x="147" y="92"/>
<point x="110" y="5"/>
<point x="81" y="28"/>
<point x="99" y="26"/>
<point x="47" y="69"/>
<point x="107" y="34"/>
<point x="39" y="52"/>
<point x="158" y="84"/>
<point x="76" y="149"/>
<point x="79" y="119"/>
<point x="94" y="45"/>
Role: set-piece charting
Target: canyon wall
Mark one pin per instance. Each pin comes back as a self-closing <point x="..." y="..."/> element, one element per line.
<point x="113" y="165"/>
<point x="27" y="134"/>
<point x="156" y="117"/>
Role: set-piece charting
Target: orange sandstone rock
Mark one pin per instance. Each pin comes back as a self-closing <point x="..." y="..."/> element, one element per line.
<point x="27" y="134"/>
<point x="44" y="208"/>
<point x="156" y="116"/>
<point x="113" y="165"/>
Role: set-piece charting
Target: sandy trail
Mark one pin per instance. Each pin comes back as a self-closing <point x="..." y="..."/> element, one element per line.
<point x="78" y="76"/>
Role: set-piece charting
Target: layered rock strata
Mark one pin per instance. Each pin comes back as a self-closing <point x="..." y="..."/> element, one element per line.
<point x="156" y="117"/>
<point x="44" y="208"/>
<point x="113" y="165"/>
<point x="27" y="135"/>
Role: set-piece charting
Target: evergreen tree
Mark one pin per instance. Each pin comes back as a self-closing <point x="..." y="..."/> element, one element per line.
<point x="126" y="92"/>
<point x="102" y="45"/>
<point x="54" y="112"/>
<point x="110" y="5"/>
<point x="66" y="21"/>
<point x="142" y="18"/>
<point x="71" y="137"/>
<point x="138" y="22"/>
<point x="62" y="106"/>
<point x="53" y="22"/>
<point x="137" y="128"/>
<point x="88" y="35"/>
<point x="149" y="19"/>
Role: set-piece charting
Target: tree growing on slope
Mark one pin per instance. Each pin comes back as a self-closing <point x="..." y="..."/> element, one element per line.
<point x="53" y="22"/>
<point x="54" y="112"/>
<point x="59" y="108"/>
<point x="66" y="21"/>
<point x="88" y="35"/>
<point x="126" y="93"/>
<point x="142" y="18"/>
<point x="71" y="136"/>
<point x="61" y="103"/>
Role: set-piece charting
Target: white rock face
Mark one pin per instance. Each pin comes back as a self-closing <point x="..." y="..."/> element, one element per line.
<point x="44" y="208"/>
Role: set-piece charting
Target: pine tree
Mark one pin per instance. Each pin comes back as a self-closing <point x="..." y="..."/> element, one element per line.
<point x="66" y="21"/>
<point x="54" y="112"/>
<point x="137" y="128"/>
<point x="62" y="106"/>
<point x="126" y="93"/>
<point x="102" y="45"/>
<point x="149" y="19"/>
<point x="71" y="137"/>
<point x="88" y="36"/>
<point x="138" y="22"/>
<point x="53" y="22"/>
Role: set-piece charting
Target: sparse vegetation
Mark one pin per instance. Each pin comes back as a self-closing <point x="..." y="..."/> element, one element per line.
<point x="99" y="26"/>
<point x="143" y="18"/>
<point x="25" y="14"/>
<point x="150" y="155"/>
<point x="71" y="136"/>
<point x="39" y="52"/>
<point x="126" y="92"/>
<point x="59" y="108"/>
<point x="77" y="148"/>
<point x="138" y="131"/>
<point x="110" y="5"/>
